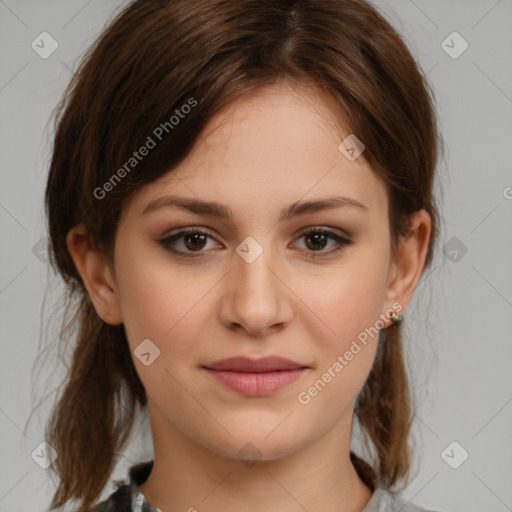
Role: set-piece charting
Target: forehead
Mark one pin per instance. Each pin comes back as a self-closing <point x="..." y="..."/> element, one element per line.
<point x="267" y="149"/>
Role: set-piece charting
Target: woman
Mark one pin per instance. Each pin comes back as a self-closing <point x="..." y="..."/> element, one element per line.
<point x="240" y="201"/>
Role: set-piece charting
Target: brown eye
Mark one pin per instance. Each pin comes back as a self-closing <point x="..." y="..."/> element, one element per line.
<point x="193" y="241"/>
<point x="318" y="239"/>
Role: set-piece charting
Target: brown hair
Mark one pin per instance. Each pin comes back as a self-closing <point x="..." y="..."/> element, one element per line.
<point x="155" y="57"/>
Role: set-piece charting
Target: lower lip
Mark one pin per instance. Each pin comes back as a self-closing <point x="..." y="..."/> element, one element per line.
<point x="257" y="384"/>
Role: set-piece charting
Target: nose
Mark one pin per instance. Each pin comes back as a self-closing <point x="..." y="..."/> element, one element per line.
<point x="255" y="296"/>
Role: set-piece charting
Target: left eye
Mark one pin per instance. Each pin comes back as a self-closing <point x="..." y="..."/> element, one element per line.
<point x="195" y="240"/>
<point x="318" y="237"/>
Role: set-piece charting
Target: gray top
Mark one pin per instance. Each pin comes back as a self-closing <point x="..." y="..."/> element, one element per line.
<point x="388" y="501"/>
<point x="381" y="501"/>
<point x="128" y="497"/>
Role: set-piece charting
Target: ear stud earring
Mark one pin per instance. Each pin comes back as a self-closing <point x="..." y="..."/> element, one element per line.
<point x="396" y="319"/>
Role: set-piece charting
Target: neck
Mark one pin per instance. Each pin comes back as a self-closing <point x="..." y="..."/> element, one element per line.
<point x="319" y="476"/>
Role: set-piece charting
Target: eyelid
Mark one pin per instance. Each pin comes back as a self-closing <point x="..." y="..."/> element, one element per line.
<point x="343" y="233"/>
<point x="211" y="232"/>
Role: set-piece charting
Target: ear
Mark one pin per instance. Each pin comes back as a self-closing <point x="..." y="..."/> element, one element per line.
<point x="407" y="264"/>
<point x="96" y="274"/>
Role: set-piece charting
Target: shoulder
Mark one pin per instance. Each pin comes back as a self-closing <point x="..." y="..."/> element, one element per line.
<point x="384" y="500"/>
<point x="118" y="501"/>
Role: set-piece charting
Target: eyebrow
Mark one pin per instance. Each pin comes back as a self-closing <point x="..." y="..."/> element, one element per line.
<point x="219" y="210"/>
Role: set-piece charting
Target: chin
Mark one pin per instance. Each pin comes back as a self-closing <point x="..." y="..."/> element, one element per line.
<point x="256" y="446"/>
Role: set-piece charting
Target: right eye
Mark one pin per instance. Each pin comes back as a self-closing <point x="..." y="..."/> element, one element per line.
<point x="193" y="241"/>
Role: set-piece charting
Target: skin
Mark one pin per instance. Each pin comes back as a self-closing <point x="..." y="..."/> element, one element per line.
<point x="260" y="154"/>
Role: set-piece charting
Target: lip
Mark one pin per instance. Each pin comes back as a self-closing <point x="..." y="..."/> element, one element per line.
<point x="247" y="364"/>
<point x="256" y="377"/>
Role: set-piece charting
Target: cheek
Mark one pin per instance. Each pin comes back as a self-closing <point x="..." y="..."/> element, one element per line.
<point x="346" y="353"/>
<point x="352" y="296"/>
<point x="154" y="294"/>
<point x="158" y="303"/>
<point x="350" y="306"/>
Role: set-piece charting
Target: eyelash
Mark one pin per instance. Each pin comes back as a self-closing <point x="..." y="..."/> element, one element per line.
<point x="342" y="242"/>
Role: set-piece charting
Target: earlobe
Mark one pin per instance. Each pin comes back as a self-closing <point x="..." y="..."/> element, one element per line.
<point x="96" y="274"/>
<point x="409" y="260"/>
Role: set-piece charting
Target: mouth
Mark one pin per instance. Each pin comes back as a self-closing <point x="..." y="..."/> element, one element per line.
<point x="256" y="377"/>
<point x="248" y="365"/>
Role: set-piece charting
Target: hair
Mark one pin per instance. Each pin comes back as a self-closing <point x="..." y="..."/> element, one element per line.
<point x="153" y="58"/>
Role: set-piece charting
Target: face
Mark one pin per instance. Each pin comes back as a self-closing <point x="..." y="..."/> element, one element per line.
<point x="256" y="281"/>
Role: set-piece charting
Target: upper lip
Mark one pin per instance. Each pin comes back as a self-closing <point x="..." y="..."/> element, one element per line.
<point x="247" y="364"/>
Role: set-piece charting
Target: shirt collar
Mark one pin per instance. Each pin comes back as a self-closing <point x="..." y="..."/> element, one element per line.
<point x="138" y="475"/>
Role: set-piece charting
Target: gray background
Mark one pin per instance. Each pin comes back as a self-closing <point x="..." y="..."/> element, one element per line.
<point x="459" y="324"/>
